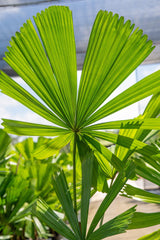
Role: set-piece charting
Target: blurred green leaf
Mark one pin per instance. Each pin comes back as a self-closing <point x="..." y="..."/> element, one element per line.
<point x="151" y="236"/>
<point x="6" y="237"/>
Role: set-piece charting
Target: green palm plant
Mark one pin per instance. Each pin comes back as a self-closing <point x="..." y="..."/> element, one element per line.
<point x="25" y="179"/>
<point x="17" y="192"/>
<point x="48" y="65"/>
<point x="5" y="141"/>
<point x="150" y="170"/>
<point x="39" y="171"/>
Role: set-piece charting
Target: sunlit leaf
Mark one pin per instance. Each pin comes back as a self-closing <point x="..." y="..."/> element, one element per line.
<point x="52" y="146"/>
<point x="139" y="194"/>
<point x="14" y="90"/>
<point x="32" y="129"/>
<point x="142" y="124"/>
<point x="107" y="154"/>
<point x="106" y="67"/>
<point x="147" y="172"/>
<point x="127" y="142"/>
<point x="138" y="91"/>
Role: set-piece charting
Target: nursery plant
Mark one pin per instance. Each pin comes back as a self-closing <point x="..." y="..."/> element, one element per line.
<point x="24" y="178"/>
<point x="17" y="191"/>
<point x="147" y="169"/>
<point x="46" y="61"/>
<point x="5" y="141"/>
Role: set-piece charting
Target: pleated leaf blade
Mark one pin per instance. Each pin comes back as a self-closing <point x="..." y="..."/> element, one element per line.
<point x="147" y="172"/>
<point x="140" y="90"/>
<point x="45" y="214"/>
<point x="87" y="158"/>
<point x="127" y="142"/>
<point x="143" y="220"/>
<point x="108" y="156"/>
<point x="115" y="226"/>
<point x="114" y="51"/>
<point x="56" y="23"/>
<point x="118" y="184"/>
<point x="47" y="64"/>
<point x="32" y="129"/>
<point x="140" y="194"/>
<point x="52" y="146"/>
<point x="64" y="196"/>
<point x="142" y="124"/>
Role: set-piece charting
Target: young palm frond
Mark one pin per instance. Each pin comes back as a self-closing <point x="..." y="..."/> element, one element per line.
<point x="48" y="66"/>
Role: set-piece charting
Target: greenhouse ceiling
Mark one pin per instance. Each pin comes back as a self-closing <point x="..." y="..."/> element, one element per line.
<point x="144" y="13"/>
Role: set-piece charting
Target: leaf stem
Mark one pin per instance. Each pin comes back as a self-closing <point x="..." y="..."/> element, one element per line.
<point x="74" y="175"/>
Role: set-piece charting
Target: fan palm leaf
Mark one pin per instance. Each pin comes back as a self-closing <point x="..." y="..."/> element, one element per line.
<point x="47" y="63"/>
